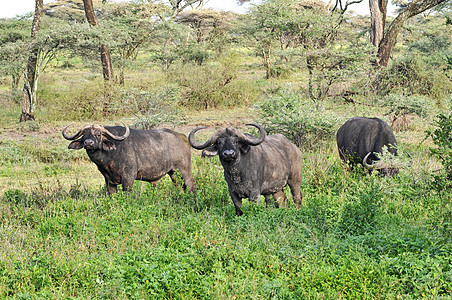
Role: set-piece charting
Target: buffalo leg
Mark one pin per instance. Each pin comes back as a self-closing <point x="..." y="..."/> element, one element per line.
<point x="111" y="188"/>
<point x="268" y="200"/>
<point x="296" y="193"/>
<point x="254" y="197"/>
<point x="237" y="204"/>
<point x="280" y="199"/>
<point x="127" y="184"/>
<point x="187" y="180"/>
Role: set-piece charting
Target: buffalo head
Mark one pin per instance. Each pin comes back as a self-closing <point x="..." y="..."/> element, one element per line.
<point x="385" y="168"/>
<point x="228" y="143"/>
<point x="93" y="138"/>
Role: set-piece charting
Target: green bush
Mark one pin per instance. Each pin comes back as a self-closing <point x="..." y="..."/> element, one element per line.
<point x="75" y="101"/>
<point x="301" y="121"/>
<point x="399" y="106"/>
<point x="150" y="108"/>
<point x="15" y="196"/>
<point x="410" y="76"/>
<point x="359" y="214"/>
<point x="214" y="85"/>
<point x="193" y="53"/>
<point x="442" y="138"/>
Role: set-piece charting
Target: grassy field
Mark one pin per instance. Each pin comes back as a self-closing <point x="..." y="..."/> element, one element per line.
<point x="356" y="236"/>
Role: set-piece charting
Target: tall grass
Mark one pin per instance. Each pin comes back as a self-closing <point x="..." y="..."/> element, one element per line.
<point x="356" y="236"/>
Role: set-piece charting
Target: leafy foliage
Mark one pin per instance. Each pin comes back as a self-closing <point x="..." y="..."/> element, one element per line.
<point x="299" y="120"/>
<point x="409" y="76"/>
<point x="355" y="237"/>
<point x="358" y="236"/>
<point x="442" y="138"/>
<point x="151" y="108"/>
<point x="400" y="106"/>
<point x="214" y="85"/>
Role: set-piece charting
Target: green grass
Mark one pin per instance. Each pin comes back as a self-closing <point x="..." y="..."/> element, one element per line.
<point x="356" y="236"/>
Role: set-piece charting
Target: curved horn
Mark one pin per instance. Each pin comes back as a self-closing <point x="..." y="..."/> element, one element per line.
<point x="251" y="140"/>
<point x="115" y="137"/>
<point x="366" y="165"/>
<point x="206" y="144"/>
<point x="75" y="136"/>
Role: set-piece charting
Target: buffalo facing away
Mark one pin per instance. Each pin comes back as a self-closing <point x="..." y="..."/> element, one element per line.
<point x="359" y="139"/>
<point x="255" y="166"/>
<point x="123" y="155"/>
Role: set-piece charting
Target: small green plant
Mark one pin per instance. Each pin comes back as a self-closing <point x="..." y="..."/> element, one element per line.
<point x="301" y="121"/>
<point x="15" y="196"/>
<point x="410" y="76"/>
<point x="214" y="85"/>
<point x="400" y="106"/>
<point x="151" y="108"/>
<point x="442" y="138"/>
<point x="359" y="214"/>
<point x="402" y="160"/>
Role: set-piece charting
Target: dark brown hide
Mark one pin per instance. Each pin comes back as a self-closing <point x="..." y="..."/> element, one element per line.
<point x="361" y="138"/>
<point x="145" y="155"/>
<point x="264" y="167"/>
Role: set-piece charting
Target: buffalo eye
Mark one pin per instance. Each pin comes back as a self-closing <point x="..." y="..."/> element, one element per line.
<point x="220" y="142"/>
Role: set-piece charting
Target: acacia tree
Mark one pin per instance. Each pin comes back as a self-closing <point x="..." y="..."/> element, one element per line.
<point x="134" y="26"/>
<point x="104" y="50"/>
<point x="31" y="73"/>
<point x="382" y="38"/>
<point x="177" y="6"/>
<point x="315" y="36"/>
<point x="70" y="10"/>
<point x="209" y="30"/>
<point x="208" y="25"/>
<point x="385" y="41"/>
<point x="14" y="51"/>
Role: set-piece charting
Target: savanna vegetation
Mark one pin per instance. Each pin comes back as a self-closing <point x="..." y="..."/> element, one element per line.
<point x="300" y="68"/>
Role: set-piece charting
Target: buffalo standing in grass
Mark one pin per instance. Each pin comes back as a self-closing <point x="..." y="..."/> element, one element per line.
<point x="255" y="166"/>
<point x="123" y="155"/>
<point x="359" y="139"/>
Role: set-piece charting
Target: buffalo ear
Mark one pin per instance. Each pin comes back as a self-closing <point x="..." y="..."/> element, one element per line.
<point x="244" y="147"/>
<point x="76" y="145"/>
<point x="108" y="145"/>
<point x="209" y="152"/>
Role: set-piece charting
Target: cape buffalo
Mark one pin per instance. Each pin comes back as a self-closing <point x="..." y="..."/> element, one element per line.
<point x="123" y="155"/>
<point x="359" y="139"/>
<point x="254" y="166"/>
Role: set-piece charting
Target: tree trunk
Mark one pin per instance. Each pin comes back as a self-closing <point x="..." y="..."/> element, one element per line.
<point x="15" y="86"/>
<point x="377" y="19"/>
<point x="31" y="73"/>
<point x="105" y="57"/>
<point x="106" y="62"/>
<point x="266" y="57"/>
<point x="387" y="43"/>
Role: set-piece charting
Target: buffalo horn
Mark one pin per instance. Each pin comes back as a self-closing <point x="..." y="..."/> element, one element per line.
<point x="375" y="165"/>
<point x="115" y="137"/>
<point x="251" y="140"/>
<point x="209" y="142"/>
<point x="75" y="136"/>
<point x="365" y="164"/>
